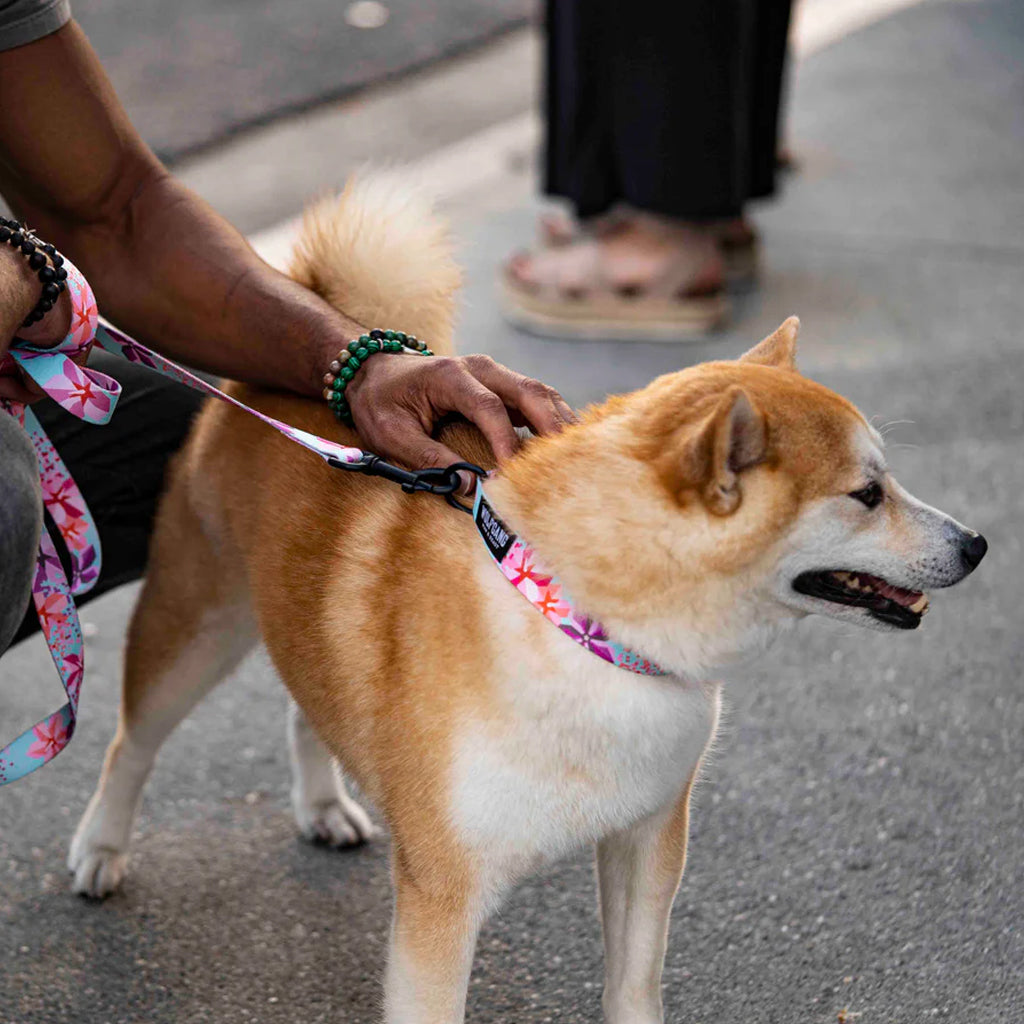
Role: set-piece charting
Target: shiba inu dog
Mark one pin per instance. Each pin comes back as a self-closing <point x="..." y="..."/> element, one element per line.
<point x="695" y="519"/>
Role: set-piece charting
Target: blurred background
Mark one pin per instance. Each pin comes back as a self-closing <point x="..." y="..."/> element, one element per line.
<point x="856" y="848"/>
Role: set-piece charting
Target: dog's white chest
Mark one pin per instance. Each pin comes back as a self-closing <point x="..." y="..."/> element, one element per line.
<point x="568" y="760"/>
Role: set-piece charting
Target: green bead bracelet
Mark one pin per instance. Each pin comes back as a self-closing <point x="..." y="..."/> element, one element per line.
<point x="349" y="359"/>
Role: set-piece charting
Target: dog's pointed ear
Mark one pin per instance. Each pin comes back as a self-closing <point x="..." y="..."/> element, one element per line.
<point x="778" y="349"/>
<point x="732" y="438"/>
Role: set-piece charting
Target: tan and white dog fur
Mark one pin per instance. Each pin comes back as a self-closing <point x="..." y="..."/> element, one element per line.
<point x="679" y="516"/>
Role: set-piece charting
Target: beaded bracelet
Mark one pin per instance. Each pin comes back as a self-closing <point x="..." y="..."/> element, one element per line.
<point x="349" y="359"/>
<point x="51" y="271"/>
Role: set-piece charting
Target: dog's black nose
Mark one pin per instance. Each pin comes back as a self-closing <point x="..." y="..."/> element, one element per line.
<point x="973" y="551"/>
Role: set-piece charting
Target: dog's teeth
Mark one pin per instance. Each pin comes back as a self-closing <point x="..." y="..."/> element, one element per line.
<point x="920" y="606"/>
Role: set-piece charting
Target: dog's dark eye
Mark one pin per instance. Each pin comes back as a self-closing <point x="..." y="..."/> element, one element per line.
<point x="870" y="496"/>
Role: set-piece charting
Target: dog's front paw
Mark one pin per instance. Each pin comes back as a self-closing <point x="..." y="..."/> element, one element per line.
<point x="99" y="850"/>
<point x="337" y="822"/>
<point x="98" y="871"/>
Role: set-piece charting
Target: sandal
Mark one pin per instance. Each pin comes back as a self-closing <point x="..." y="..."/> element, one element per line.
<point x="737" y="239"/>
<point x="741" y="252"/>
<point x="685" y="300"/>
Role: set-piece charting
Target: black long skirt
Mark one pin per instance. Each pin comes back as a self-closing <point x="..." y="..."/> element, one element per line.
<point x="670" y="106"/>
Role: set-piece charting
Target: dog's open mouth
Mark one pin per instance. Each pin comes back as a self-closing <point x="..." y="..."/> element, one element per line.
<point x="885" y="602"/>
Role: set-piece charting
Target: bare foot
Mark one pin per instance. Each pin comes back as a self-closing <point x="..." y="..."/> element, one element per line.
<point x="635" y="254"/>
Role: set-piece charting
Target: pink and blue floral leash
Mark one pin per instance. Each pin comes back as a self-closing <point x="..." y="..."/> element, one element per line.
<point x="92" y="396"/>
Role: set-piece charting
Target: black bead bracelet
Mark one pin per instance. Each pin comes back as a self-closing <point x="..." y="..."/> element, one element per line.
<point x="44" y="259"/>
<point x="349" y="359"/>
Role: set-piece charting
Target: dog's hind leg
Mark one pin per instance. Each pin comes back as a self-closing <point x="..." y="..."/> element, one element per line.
<point x="191" y="626"/>
<point x="323" y="809"/>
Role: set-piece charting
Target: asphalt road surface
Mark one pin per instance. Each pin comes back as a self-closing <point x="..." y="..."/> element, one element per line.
<point x="192" y="72"/>
<point x="857" y="839"/>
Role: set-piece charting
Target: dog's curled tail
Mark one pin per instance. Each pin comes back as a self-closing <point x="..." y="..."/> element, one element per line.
<point x="380" y="253"/>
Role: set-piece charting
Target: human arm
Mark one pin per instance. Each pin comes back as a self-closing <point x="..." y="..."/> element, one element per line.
<point x="171" y="271"/>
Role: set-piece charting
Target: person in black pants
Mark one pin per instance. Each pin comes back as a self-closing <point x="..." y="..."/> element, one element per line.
<point x="662" y="124"/>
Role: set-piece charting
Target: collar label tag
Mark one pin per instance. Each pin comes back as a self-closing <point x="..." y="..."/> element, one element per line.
<point x="495" y="533"/>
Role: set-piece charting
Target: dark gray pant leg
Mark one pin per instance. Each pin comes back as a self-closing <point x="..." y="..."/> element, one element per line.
<point x="21" y="518"/>
<point x="119" y="468"/>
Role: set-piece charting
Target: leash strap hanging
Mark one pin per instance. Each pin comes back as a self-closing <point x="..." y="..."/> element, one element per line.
<point x="54" y="599"/>
<point x="91" y="396"/>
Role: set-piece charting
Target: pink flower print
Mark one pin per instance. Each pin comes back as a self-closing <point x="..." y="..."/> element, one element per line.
<point x="134" y="354"/>
<point x="84" y="570"/>
<point x="76" y="672"/>
<point x="51" y="611"/>
<point x="51" y="738"/>
<point x="62" y="497"/>
<point x="84" y="394"/>
<point x="551" y="604"/>
<point x="525" y="570"/>
<point x="588" y="634"/>
<point x="73" y="531"/>
<point x="48" y="569"/>
<point x="84" y="320"/>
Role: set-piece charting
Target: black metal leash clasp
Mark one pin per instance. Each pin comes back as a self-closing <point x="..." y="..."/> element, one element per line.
<point x="443" y="480"/>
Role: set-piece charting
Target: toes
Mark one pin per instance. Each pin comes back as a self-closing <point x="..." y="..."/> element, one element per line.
<point x="338" y="824"/>
<point x="520" y="269"/>
<point x="331" y="828"/>
<point x="98" y="873"/>
<point x="557" y="229"/>
<point x="359" y="820"/>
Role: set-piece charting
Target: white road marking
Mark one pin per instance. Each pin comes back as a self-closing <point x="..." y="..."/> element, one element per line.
<point x="819" y="23"/>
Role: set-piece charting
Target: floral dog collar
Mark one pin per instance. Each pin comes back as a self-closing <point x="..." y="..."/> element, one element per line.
<point x="521" y="567"/>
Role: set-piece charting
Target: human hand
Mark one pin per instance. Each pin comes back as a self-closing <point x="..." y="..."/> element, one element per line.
<point x="397" y="400"/>
<point x="51" y="330"/>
